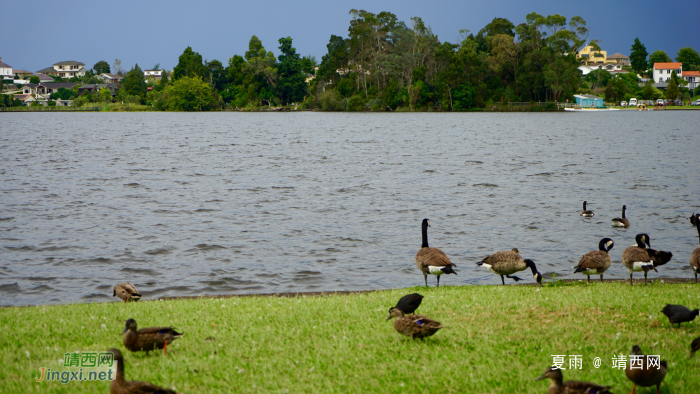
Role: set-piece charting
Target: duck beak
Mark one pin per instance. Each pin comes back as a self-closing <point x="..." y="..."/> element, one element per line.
<point x="540" y="378"/>
<point x="125" y="330"/>
<point x="389" y="318"/>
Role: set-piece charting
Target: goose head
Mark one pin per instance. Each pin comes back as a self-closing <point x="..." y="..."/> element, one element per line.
<point x="643" y="239"/>
<point x="535" y="274"/>
<point x="606" y="244"/>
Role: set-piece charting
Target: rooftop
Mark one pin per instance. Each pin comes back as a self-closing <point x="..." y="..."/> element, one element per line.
<point x="666" y="66"/>
<point x="69" y="63"/>
<point x="617" y="56"/>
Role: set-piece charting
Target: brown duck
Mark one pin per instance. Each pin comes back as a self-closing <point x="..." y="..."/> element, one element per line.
<point x="147" y="339"/>
<point x="694" y="346"/>
<point x="432" y="260"/>
<point x="413" y="326"/>
<point x="646" y="375"/>
<point x="121" y="386"/>
<point x="570" y="386"/>
<point x="695" y="256"/>
<point x="596" y="262"/>
<point x="127" y="292"/>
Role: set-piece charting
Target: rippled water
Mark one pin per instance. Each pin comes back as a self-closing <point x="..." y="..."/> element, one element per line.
<point x="231" y="203"/>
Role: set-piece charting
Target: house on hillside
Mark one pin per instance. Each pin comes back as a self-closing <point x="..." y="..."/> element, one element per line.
<point x="44" y="90"/>
<point x="26" y="99"/>
<point x="22" y="73"/>
<point x="589" y="101"/>
<point x="620" y="59"/>
<point x="693" y="78"/>
<point x="67" y="69"/>
<point x="588" y="56"/>
<point x="153" y="74"/>
<point x="110" y="78"/>
<point x="662" y="72"/>
<point x="612" y="68"/>
<point x="6" y="70"/>
<point x="95" y="88"/>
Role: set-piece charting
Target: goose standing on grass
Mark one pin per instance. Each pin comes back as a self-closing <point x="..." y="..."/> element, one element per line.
<point x="558" y="386"/>
<point x="646" y="374"/>
<point x="121" y="386"/>
<point x="413" y="326"/>
<point x="408" y="304"/>
<point x="695" y="256"/>
<point x="586" y="213"/>
<point x="642" y="258"/>
<point x="621" y="222"/>
<point x="126" y="292"/>
<point x="147" y="339"/>
<point x="508" y="262"/>
<point x="432" y="260"/>
<point x="596" y="262"/>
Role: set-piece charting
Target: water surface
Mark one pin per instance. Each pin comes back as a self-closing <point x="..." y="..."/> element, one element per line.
<point x="233" y="203"/>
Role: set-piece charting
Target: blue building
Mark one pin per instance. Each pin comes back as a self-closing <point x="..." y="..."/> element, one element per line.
<point x="588" y="101"/>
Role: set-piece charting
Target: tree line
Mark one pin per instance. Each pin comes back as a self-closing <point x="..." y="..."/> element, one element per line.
<point x="386" y="65"/>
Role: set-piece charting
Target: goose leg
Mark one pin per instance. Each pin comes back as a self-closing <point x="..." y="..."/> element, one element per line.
<point x="601" y="278"/>
<point x="645" y="278"/>
<point x="631" y="283"/>
<point x="438" y="278"/>
<point x="425" y="276"/>
<point x="503" y="281"/>
<point x="589" y="279"/>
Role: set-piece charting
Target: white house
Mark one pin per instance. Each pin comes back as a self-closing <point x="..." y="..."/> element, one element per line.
<point x="662" y="71"/>
<point x="155" y="74"/>
<point x="609" y="67"/>
<point x="693" y="78"/>
<point x="68" y="69"/>
<point x="110" y="78"/>
<point x="6" y="71"/>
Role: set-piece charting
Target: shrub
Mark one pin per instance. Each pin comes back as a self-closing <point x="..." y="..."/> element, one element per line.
<point x="330" y="100"/>
<point x="355" y="103"/>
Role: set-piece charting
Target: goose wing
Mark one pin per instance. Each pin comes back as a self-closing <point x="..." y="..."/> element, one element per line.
<point x="659" y="256"/>
<point x="635" y="253"/>
<point x="434" y="257"/>
<point x="594" y="259"/>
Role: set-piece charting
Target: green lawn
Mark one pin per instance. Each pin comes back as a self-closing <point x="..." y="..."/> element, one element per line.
<point x="498" y="340"/>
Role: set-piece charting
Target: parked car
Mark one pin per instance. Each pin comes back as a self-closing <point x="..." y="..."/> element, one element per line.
<point x="623" y="103"/>
<point x="633" y="102"/>
<point x="695" y="103"/>
<point x="678" y="102"/>
<point x="660" y="102"/>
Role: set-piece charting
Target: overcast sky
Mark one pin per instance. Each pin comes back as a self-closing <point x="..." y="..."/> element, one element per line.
<point x="41" y="32"/>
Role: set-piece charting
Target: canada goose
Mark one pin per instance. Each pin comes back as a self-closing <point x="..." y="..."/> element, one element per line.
<point x="432" y="260"/>
<point x="694" y="346"/>
<point x="694" y="219"/>
<point x="596" y="261"/>
<point x="679" y="314"/>
<point x="695" y="256"/>
<point x="641" y="258"/>
<point x="121" y="386"/>
<point x="648" y="371"/>
<point x="570" y="386"/>
<point x="621" y="222"/>
<point x="413" y="326"/>
<point x="127" y="292"/>
<point x="586" y="213"/>
<point x="408" y="304"/>
<point x="147" y="339"/>
<point x="508" y="262"/>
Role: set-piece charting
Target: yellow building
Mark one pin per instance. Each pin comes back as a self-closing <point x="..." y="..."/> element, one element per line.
<point x="588" y="56"/>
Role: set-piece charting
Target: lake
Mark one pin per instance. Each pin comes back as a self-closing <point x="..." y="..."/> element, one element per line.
<point x="238" y="203"/>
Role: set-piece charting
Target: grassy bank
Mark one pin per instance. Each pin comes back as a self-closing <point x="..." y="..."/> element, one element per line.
<point x="498" y="340"/>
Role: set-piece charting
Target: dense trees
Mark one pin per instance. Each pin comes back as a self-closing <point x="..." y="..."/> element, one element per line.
<point x="101" y="67"/>
<point x="689" y="57"/>
<point x="658" y="56"/>
<point x="387" y="64"/>
<point x="638" y="56"/>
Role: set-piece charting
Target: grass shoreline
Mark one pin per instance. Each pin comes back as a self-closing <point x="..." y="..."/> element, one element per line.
<point x="498" y="339"/>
